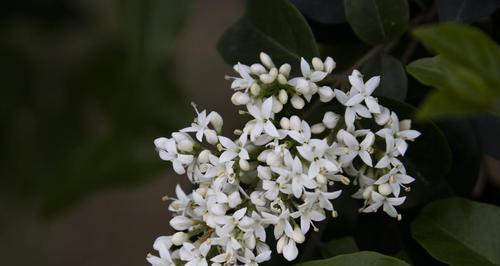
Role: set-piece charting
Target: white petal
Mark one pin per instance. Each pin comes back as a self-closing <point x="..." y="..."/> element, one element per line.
<point x="356" y="99"/>
<point x="227" y="156"/>
<point x="271" y="130"/>
<point x="372" y="84"/>
<point x="365" y="156"/>
<point x="372" y="105"/>
<point x="305" y="68"/>
<point x="317" y="76"/>
<point x="267" y="107"/>
<point x="290" y="250"/>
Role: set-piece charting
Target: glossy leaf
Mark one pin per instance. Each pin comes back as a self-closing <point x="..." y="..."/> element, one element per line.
<point x="466" y="10"/>
<point x="323" y="11"/>
<point x="465" y="72"/>
<point x="393" y="80"/>
<point x="275" y="27"/>
<point x="363" y="258"/>
<point x="460" y="232"/>
<point x="377" y="21"/>
<point x="339" y="246"/>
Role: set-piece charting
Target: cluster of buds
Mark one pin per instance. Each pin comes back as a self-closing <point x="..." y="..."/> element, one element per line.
<point x="279" y="174"/>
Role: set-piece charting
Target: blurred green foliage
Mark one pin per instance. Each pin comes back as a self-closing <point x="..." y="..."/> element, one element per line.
<point x="85" y="88"/>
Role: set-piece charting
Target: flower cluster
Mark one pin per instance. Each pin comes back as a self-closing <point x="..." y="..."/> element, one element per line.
<point x="278" y="176"/>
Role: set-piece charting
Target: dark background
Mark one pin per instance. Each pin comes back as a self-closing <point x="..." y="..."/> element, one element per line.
<point x="85" y="87"/>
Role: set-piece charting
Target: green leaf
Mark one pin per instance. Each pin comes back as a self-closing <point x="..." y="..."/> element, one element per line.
<point x="152" y="26"/>
<point x="322" y="11"/>
<point x="465" y="72"/>
<point x="274" y="27"/>
<point x="339" y="246"/>
<point x="377" y="21"/>
<point x="460" y="232"/>
<point x="393" y="81"/>
<point x="363" y="258"/>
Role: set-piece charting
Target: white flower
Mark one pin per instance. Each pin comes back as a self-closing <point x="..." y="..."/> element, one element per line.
<point x="294" y="171"/>
<point x="246" y="81"/>
<point x="234" y="149"/>
<point x="200" y="126"/>
<point x="390" y="155"/>
<point x="400" y="131"/>
<point x="308" y="214"/>
<point x="249" y="259"/>
<point x="388" y="204"/>
<point x="353" y="107"/>
<point x="357" y="149"/>
<point x="162" y="244"/>
<point x="168" y="152"/>
<point x="396" y="180"/>
<point x="195" y="256"/>
<point x="262" y="120"/>
<point x="364" y="91"/>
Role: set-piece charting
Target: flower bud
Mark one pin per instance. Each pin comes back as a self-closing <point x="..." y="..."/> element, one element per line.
<point x="317" y="64"/>
<point x="330" y="119"/>
<point x="285" y="69"/>
<point x="179" y="238"/>
<point x="297" y="102"/>
<point x="297" y="235"/>
<point x="185" y="145"/>
<point x="244" y="165"/>
<point x="285" y="123"/>
<point x="283" y="96"/>
<point x="203" y="157"/>
<point x="216" y="121"/>
<point x="384" y="189"/>
<point x="266" y="78"/>
<point x="282" y="79"/>
<point x="326" y="94"/>
<point x="255" y="89"/>
<point x="180" y="223"/>
<point x="240" y="98"/>
<point x="160" y="142"/>
<point x="266" y="60"/>
<point x="273" y="72"/>
<point x="277" y="105"/>
<point x="211" y="136"/>
<point x="295" y="123"/>
<point x="317" y="128"/>
<point x="257" y="69"/>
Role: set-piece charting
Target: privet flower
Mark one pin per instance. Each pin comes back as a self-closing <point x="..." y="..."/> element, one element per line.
<point x="278" y="176"/>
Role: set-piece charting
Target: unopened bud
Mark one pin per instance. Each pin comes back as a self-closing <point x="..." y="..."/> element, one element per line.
<point x="330" y="119"/>
<point x="367" y="192"/>
<point x="257" y="69"/>
<point x="216" y="121"/>
<point x="255" y="89"/>
<point x="185" y="145"/>
<point x="335" y="214"/>
<point x="281" y="244"/>
<point x="277" y="105"/>
<point x="326" y="94"/>
<point x="285" y="123"/>
<point x="297" y="102"/>
<point x="240" y="98"/>
<point x="317" y="128"/>
<point x="285" y="69"/>
<point x="211" y="136"/>
<point x="266" y="78"/>
<point x="179" y="238"/>
<point x="283" y="96"/>
<point x="282" y="79"/>
<point x="266" y="60"/>
<point x="273" y="72"/>
<point x="203" y="157"/>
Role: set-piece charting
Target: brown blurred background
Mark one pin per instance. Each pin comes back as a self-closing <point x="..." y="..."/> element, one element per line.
<point x="115" y="222"/>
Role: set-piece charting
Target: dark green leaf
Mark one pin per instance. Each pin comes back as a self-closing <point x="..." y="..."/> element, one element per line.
<point x="428" y="71"/>
<point x="338" y="246"/>
<point x="377" y="21"/>
<point x="393" y="81"/>
<point x="323" y="11"/>
<point x="460" y="232"/>
<point x="363" y="258"/>
<point x="275" y="27"/>
<point x="466" y="10"/>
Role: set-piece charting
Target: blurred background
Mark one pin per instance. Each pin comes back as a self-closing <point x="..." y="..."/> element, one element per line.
<point x="85" y="88"/>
